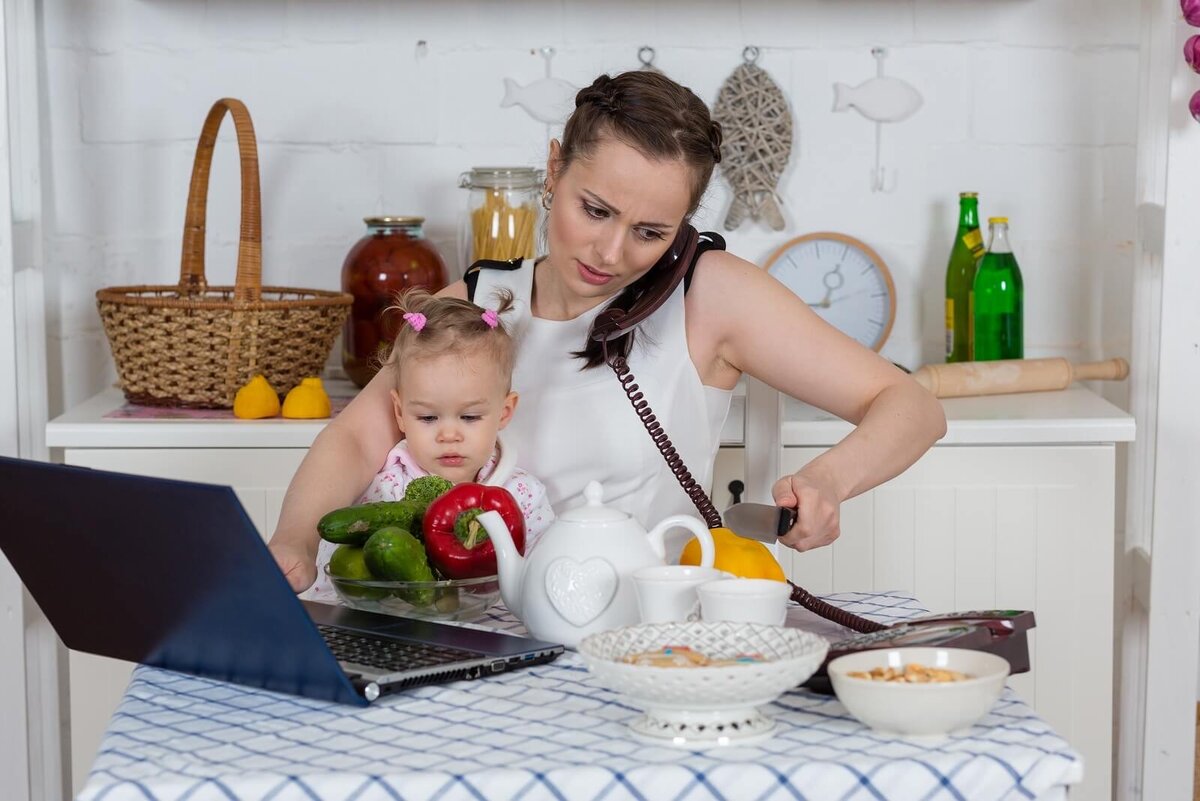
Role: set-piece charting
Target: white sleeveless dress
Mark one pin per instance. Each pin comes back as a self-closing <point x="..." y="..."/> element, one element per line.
<point x="573" y="426"/>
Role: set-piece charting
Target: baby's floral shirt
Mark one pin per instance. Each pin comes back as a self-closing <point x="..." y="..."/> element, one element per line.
<point x="400" y="468"/>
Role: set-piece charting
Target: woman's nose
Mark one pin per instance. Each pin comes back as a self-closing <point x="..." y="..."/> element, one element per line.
<point x="609" y="246"/>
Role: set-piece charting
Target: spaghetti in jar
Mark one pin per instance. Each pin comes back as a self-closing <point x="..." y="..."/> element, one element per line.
<point x="502" y="213"/>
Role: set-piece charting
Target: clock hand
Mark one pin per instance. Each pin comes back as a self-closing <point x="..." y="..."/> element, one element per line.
<point x="824" y="302"/>
<point x="854" y="294"/>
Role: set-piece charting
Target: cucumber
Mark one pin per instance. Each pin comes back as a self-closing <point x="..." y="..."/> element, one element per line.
<point x="353" y="525"/>
<point x="394" y="554"/>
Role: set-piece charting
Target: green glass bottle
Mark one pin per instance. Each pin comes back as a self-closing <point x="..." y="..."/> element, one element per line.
<point x="997" y="301"/>
<point x="960" y="275"/>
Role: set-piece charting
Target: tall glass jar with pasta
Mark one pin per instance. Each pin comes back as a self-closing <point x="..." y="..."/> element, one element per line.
<point x="502" y="219"/>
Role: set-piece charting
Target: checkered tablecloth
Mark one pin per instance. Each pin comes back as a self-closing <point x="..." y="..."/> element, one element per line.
<point x="546" y="732"/>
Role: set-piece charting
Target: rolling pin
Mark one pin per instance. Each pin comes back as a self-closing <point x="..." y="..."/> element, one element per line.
<point x="1014" y="375"/>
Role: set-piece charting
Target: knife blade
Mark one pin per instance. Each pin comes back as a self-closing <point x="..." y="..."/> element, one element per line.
<point x="759" y="521"/>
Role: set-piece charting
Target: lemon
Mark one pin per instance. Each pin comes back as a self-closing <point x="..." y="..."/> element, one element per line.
<point x="307" y="401"/>
<point x="256" y="400"/>
<point x="737" y="555"/>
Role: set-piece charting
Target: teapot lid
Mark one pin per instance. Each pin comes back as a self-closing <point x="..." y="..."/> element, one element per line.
<point x="594" y="511"/>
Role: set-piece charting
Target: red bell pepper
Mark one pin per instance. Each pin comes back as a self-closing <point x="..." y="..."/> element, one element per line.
<point x="456" y="544"/>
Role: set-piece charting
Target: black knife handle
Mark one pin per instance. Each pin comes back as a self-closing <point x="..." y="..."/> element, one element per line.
<point x="787" y="519"/>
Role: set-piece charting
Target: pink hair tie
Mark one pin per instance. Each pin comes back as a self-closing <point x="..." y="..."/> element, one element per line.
<point x="415" y="319"/>
<point x="489" y="316"/>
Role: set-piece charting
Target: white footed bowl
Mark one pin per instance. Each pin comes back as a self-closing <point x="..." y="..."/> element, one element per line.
<point x="929" y="710"/>
<point x="697" y="707"/>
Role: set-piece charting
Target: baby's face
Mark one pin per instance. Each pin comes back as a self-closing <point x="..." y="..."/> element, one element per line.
<point x="450" y="408"/>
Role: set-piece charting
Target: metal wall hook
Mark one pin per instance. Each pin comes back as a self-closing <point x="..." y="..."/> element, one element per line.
<point x="646" y="56"/>
<point x="750" y="54"/>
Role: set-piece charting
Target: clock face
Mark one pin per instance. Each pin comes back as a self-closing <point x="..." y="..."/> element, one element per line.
<point x="843" y="281"/>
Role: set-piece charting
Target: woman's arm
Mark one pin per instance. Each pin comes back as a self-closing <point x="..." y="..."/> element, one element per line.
<point x="341" y="462"/>
<point x="740" y="319"/>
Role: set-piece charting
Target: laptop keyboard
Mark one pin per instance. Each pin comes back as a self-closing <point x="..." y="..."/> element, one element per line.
<point x="389" y="655"/>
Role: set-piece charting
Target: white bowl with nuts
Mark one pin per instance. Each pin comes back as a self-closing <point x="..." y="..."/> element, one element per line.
<point x="918" y="692"/>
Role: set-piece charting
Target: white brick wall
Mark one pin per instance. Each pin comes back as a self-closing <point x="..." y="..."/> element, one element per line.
<point x="1030" y="102"/>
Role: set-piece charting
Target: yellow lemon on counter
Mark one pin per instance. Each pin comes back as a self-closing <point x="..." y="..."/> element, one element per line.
<point x="256" y="400"/>
<point x="307" y="401"/>
<point x="737" y="555"/>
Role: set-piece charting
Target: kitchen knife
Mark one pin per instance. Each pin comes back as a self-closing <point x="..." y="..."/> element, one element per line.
<point x="759" y="521"/>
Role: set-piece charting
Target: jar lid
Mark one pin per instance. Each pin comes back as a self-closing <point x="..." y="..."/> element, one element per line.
<point x="390" y="220"/>
<point x="501" y="178"/>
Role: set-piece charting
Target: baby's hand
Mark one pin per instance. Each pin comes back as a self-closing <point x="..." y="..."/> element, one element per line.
<point x="299" y="567"/>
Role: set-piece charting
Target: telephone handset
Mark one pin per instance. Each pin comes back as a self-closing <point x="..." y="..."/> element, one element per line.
<point x="661" y="281"/>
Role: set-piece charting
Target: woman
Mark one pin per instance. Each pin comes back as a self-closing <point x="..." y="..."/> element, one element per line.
<point x="633" y="164"/>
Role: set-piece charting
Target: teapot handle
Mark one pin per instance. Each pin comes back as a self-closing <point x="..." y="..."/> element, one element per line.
<point x="708" y="551"/>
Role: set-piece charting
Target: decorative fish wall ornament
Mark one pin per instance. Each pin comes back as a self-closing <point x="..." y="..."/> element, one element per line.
<point x="549" y="100"/>
<point x="881" y="100"/>
<point x="757" y="126"/>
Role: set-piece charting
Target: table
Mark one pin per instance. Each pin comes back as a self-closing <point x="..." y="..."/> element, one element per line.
<point x="546" y="732"/>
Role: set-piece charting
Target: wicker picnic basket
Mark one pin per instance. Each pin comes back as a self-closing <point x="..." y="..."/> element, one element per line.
<point x="194" y="345"/>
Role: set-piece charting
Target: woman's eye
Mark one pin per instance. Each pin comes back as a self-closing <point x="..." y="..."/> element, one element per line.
<point x="593" y="212"/>
<point x="649" y="235"/>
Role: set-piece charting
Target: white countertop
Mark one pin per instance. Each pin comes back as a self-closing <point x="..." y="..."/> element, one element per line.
<point x="1076" y="415"/>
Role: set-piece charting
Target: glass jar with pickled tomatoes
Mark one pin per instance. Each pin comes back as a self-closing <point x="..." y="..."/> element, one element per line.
<point x="391" y="257"/>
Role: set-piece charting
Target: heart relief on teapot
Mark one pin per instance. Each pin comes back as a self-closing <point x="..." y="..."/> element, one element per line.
<point x="580" y="591"/>
<point x="578" y="580"/>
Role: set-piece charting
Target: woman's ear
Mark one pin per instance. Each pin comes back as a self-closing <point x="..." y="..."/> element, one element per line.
<point x="397" y="408"/>
<point x="553" y="164"/>
<point x="510" y="406"/>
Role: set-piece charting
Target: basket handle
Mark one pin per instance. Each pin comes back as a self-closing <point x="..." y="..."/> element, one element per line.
<point x="248" y="286"/>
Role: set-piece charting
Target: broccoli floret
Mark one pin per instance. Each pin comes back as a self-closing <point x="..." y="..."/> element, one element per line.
<point x="424" y="489"/>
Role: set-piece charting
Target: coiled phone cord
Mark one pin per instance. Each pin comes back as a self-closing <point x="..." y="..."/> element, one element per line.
<point x="704" y="504"/>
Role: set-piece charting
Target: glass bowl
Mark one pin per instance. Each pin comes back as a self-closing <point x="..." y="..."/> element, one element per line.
<point x="452" y="599"/>
<point x="710" y="706"/>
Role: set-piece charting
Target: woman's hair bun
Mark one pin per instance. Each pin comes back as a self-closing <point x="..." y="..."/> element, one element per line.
<point x="599" y="94"/>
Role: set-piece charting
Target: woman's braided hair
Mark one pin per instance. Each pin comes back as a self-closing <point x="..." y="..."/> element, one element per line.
<point x="663" y="121"/>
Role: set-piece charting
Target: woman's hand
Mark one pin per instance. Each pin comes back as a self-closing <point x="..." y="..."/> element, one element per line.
<point x="297" y="564"/>
<point x="818" y="510"/>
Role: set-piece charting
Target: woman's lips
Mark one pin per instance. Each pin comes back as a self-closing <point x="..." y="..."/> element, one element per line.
<point x="592" y="276"/>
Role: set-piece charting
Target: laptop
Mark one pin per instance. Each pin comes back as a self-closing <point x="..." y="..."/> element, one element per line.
<point x="173" y="574"/>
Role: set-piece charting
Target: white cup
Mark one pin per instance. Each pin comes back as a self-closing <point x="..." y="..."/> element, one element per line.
<point x="743" y="600"/>
<point x="667" y="593"/>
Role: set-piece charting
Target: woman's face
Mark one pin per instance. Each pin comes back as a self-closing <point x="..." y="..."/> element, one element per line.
<point x="613" y="216"/>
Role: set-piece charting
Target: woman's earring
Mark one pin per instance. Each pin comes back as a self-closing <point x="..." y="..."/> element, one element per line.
<point x="547" y="197"/>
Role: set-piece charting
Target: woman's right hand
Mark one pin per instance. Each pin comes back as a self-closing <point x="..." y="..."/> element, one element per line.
<point x="296" y="563"/>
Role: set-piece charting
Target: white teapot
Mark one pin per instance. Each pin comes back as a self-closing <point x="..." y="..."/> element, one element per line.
<point x="577" y="580"/>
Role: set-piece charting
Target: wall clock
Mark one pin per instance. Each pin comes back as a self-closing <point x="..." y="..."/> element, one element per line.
<point x="842" y="280"/>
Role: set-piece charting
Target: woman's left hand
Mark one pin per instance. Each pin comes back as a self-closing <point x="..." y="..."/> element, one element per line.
<point x="818" y="510"/>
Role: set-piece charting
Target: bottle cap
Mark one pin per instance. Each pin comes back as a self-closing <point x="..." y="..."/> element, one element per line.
<point x="968" y="194"/>
<point x="997" y="220"/>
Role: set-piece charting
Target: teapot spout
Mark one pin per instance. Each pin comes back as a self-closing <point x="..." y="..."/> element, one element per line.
<point x="510" y="565"/>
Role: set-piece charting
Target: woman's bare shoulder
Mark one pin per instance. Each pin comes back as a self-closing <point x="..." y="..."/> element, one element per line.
<point x="456" y="290"/>
<point x="722" y="280"/>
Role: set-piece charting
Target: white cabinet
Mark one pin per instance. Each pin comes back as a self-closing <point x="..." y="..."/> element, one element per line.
<point x="1013" y="509"/>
